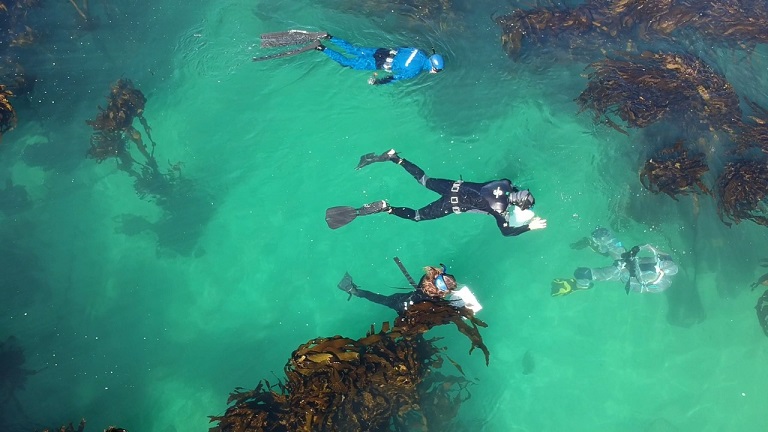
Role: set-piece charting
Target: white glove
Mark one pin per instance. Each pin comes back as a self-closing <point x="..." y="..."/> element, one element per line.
<point x="537" y="223"/>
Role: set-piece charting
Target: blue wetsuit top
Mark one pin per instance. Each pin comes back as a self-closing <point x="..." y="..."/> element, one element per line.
<point x="403" y="63"/>
<point x="408" y="63"/>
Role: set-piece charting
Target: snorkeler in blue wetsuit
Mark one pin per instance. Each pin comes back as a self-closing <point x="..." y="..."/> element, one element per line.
<point x="403" y="63"/>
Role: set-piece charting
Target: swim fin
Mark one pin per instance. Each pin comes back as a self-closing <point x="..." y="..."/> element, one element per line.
<point x="289" y="53"/>
<point x="370" y="158"/>
<point x="561" y="287"/>
<point x="348" y="285"/>
<point x="337" y="217"/>
<point x="290" y="37"/>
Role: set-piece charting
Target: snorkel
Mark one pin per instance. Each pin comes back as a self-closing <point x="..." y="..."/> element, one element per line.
<point x="440" y="280"/>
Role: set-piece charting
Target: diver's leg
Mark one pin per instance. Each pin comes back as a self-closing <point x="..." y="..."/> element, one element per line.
<point x="394" y="301"/>
<point x="412" y="169"/>
<point x="352" y="49"/>
<point x="392" y="156"/>
<point x="359" y="62"/>
<point x="441" y="186"/>
<point x="437" y="209"/>
<point x="585" y="276"/>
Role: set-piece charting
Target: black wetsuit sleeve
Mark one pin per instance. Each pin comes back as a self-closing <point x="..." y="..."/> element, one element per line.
<point x="509" y="230"/>
<point x="385" y="80"/>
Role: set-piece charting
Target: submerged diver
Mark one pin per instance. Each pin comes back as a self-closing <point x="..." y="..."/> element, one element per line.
<point x="762" y="311"/>
<point x="435" y="285"/>
<point x="495" y="198"/>
<point x="650" y="271"/>
<point x="402" y="63"/>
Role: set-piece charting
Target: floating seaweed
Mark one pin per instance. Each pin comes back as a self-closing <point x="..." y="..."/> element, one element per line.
<point x="82" y="10"/>
<point x="739" y="23"/>
<point x="113" y="125"/>
<point x="607" y="24"/>
<point x="575" y="29"/>
<point x="673" y="171"/>
<point x="445" y="14"/>
<point x="68" y="427"/>
<point x="113" y="132"/>
<point x="644" y="89"/>
<point x="186" y="207"/>
<point x="753" y="131"/>
<point x="80" y="428"/>
<point x="384" y="381"/>
<point x="16" y="79"/>
<point x="7" y="113"/>
<point x="741" y="191"/>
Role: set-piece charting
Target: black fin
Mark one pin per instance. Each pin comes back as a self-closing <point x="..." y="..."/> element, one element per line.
<point x="290" y="37"/>
<point x="370" y="158"/>
<point x="337" y="217"/>
<point x="347" y="285"/>
<point x="289" y="53"/>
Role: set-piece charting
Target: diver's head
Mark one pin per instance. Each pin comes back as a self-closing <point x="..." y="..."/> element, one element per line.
<point x="601" y="233"/>
<point x="522" y="199"/>
<point x="436" y="282"/>
<point x="436" y="63"/>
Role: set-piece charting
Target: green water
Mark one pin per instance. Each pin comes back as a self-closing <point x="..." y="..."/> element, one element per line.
<point x="151" y="331"/>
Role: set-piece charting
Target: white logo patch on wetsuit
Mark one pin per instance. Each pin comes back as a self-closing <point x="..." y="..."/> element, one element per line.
<point x="410" y="58"/>
<point x="498" y="192"/>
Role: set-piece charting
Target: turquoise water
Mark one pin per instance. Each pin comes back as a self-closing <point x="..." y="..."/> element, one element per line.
<point x="151" y="330"/>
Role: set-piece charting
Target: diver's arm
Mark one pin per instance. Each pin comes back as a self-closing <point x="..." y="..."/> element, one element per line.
<point x="386" y="80"/>
<point x="506" y="229"/>
<point x="408" y="73"/>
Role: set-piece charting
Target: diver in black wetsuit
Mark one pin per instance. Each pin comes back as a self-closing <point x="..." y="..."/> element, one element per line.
<point x="435" y="285"/>
<point x="509" y="205"/>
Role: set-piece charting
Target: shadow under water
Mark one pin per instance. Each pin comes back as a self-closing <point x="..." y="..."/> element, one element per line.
<point x="186" y="213"/>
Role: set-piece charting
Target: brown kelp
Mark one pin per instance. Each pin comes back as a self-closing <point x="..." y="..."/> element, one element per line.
<point x="113" y="131"/>
<point x="186" y="207"/>
<point x="575" y="29"/>
<point x="113" y="126"/>
<point x="16" y="37"/>
<point x="69" y="427"/>
<point x="753" y="130"/>
<point x="644" y="89"/>
<point x="384" y="381"/>
<point x="600" y="25"/>
<point x="742" y="188"/>
<point x="80" y="428"/>
<point x="675" y="171"/>
<point x="7" y="113"/>
<point x="444" y="14"/>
